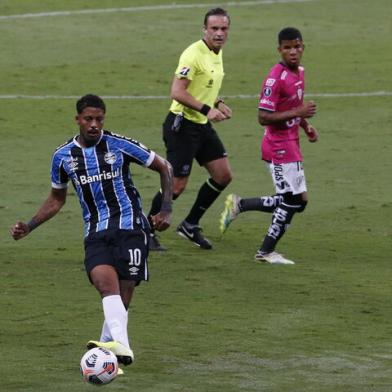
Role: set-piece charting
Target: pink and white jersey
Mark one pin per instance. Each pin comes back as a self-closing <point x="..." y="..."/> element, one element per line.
<point x="282" y="90"/>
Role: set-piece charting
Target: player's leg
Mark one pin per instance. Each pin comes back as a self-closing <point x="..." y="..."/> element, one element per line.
<point x="289" y="180"/>
<point x="180" y="151"/>
<point x="234" y="205"/>
<point x="220" y="177"/>
<point x="212" y="155"/>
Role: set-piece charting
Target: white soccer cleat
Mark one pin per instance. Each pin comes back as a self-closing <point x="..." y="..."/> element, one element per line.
<point x="124" y="354"/>
<point x="272" y="258"/>
<point x="230" y="212"/>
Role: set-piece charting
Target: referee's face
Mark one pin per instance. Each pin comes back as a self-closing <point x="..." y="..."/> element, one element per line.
<point x="216" y="31"/>
<point x="90" y="123"/>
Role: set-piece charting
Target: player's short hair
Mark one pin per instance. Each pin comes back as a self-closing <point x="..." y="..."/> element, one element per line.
<point x="216" y="11"/>
<point x="90" y="100"/>
<point x="289" y="34"/>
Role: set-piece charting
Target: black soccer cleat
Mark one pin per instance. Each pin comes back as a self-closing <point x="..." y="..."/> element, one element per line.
<point x="154" y="244"/>
<point x="194" y="235"/>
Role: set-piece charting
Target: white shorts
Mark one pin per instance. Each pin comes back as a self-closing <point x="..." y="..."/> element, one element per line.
<point x="288" y="177"/>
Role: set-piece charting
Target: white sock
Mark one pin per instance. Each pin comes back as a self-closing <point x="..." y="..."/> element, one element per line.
<point x="116" y="319"/>
<point x="105" y="333"/>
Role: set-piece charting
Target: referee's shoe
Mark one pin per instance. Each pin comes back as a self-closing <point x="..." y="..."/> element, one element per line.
<point x="193" y="233"/>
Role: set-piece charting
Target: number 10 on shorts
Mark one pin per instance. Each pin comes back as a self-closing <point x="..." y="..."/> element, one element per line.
<point x="135" y="259"/>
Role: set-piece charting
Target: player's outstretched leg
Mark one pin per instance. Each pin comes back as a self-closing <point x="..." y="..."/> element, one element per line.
<point x="230" y="211"/>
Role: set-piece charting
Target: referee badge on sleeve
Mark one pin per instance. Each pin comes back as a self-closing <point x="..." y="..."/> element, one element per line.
<point x="184" y="71"/>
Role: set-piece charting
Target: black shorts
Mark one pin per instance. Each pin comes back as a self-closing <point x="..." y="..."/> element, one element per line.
<point x="125" y="250"/>
<point x="191" y="141"/>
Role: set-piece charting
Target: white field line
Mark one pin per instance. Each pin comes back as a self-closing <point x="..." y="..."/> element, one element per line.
<point x="161" y="97"/>
<point x="147" y="8"/>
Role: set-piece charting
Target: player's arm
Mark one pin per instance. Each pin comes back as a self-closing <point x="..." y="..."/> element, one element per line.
<point x="179" y="92"/>
<point x="50" y="207"/>
<point x="310" y="130"/>
<point x="162" y="220"/>
<point x="306" y="110"/>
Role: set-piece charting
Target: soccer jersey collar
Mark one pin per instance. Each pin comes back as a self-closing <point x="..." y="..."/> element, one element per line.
<point x="75" y="139"/>
<point x="210" y="50"/>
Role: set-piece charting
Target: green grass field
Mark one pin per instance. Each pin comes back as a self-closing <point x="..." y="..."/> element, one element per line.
<point x="207" y="321"/>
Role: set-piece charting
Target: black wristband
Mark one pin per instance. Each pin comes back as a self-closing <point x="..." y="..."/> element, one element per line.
<point x="32" y="224"/>
<point x="166" y="206"/>
<point x="205" y="109"/>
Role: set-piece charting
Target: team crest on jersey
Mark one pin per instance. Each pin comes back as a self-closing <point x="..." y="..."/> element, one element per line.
<point x="270" y="82"/>
<point x="110" y="158"/>
<point x="184" y="71"/>
<point x="267" y="92"/>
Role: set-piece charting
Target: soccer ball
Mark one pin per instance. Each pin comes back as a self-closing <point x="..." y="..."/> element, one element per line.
<point x="99" y="366"/>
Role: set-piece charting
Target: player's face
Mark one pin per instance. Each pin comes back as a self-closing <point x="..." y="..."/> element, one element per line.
<point x="291" y="52"/>
<point x="216" y="31"/>
<point x="90" y="123"/>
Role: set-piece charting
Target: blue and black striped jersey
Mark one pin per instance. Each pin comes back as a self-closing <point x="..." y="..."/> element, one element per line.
<point x="101" y="177"/>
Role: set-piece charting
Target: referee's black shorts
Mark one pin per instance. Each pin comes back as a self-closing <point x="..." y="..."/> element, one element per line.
<point x="125" y="250"/>
<point x="191" y="141"/>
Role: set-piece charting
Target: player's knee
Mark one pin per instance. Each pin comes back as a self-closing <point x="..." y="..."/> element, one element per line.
<point x="295" y="200"/>
<point x="224" y="179"/>
<point x="303" y="206"/>
<point x="178" y="188"/>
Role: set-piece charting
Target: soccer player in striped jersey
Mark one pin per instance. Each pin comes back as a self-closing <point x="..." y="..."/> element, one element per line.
<point x="97" y="162"/>
<point x="187" y="130"/>
<point x="282" y="110"/>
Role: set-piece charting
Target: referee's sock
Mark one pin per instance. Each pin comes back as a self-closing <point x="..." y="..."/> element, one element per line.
<point x="208" y="193"/>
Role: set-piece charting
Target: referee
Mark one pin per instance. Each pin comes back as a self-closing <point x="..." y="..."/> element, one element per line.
<point x="187" y="130"/>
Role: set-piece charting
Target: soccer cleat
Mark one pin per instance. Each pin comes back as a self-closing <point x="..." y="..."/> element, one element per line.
<point x="124" y="354"/>
<point x="154" y="244"/>
<point x="230" y="212"/>
<point x="194" y="235"/>
<point x="272" y="258"/>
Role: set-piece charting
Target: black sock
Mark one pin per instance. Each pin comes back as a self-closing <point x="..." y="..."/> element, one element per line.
<point x="208" y="193"/>
<point x="281" y="219"/>
<point x="265" y="203"/>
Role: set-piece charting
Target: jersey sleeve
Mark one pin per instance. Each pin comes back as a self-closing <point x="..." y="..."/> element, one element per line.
<point x="137" y="152"/>
<point x="58" y="174"/>
<point x="187" y="65"/>
<point x="269" y="95"/>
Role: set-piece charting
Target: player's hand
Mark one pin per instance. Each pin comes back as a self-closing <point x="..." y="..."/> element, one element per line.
<point x="307" y="109"/>
<point x="312" y="134"/>
<point x="225" y="109"/>
<point x="215" y="115"/>
<point x="161" y="221"/>
<point x="19" y="230"/>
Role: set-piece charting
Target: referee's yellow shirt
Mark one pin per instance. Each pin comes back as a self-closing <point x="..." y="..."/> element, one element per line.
<point x="204" y="68"/>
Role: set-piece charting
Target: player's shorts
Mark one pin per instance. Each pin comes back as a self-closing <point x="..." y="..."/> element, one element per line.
<point x="190" y="141"/>
<point x="288" y="177"/>
<point x="125" y="250"/>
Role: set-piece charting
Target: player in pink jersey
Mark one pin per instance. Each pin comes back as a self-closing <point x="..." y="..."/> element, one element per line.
<point x="282" y="110"/>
